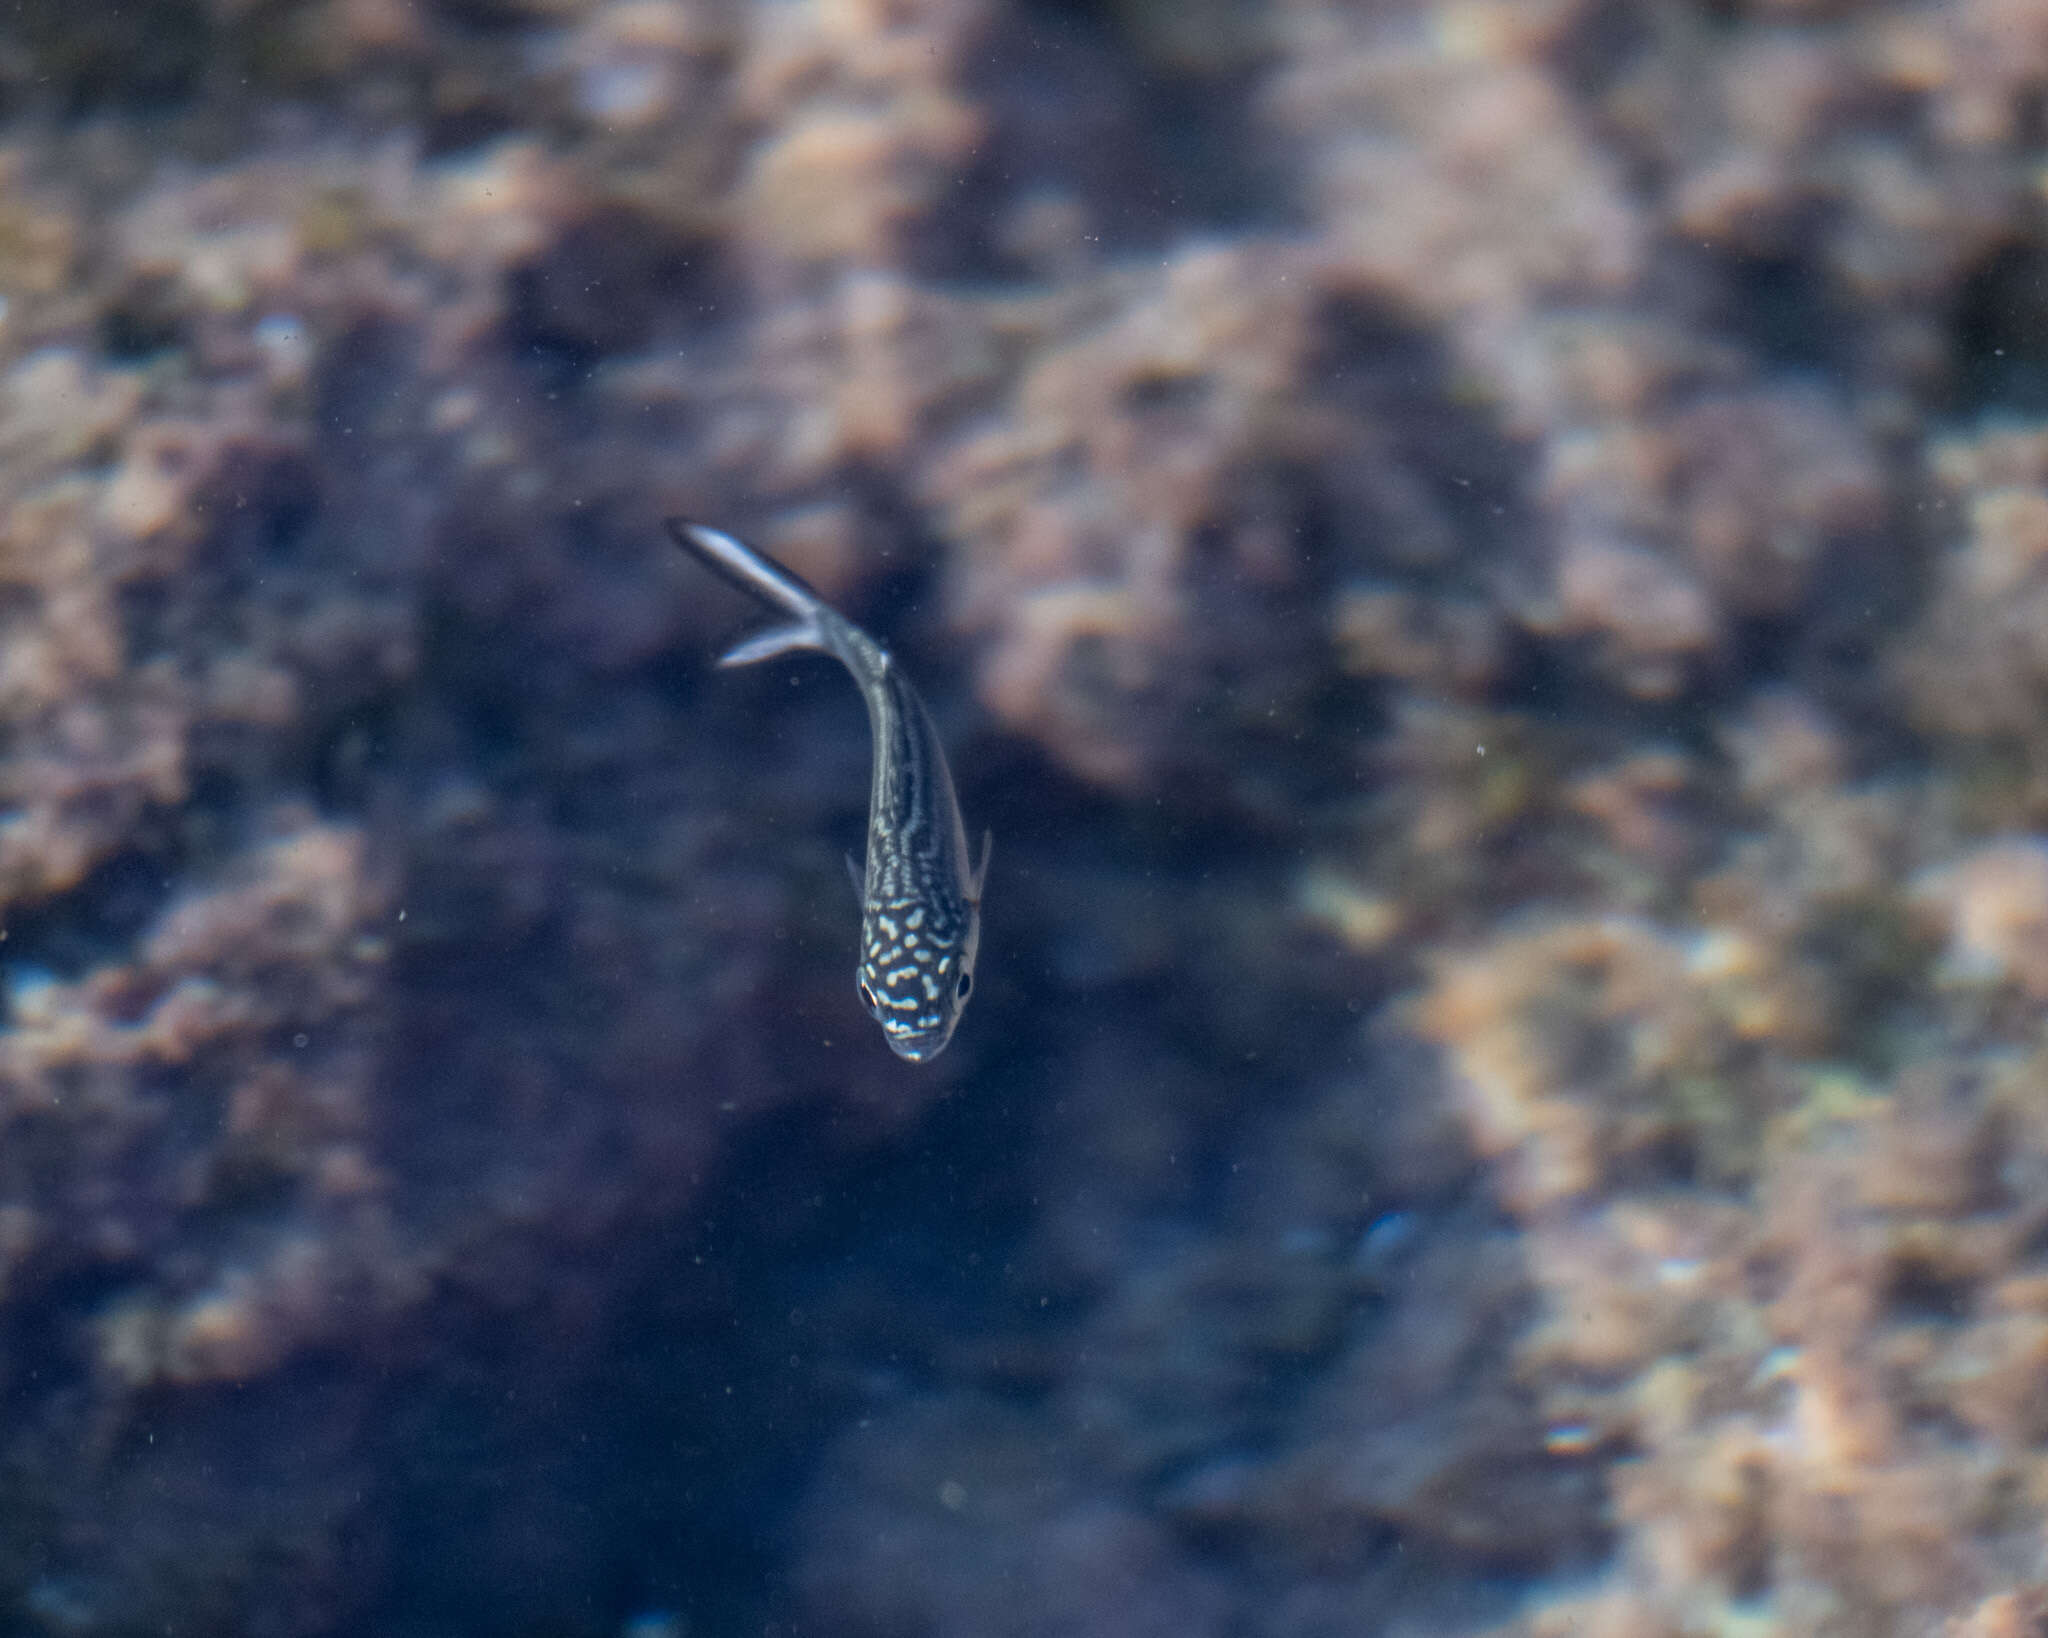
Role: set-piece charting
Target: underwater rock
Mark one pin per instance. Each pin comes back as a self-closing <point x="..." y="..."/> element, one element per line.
<point x="1502" y="546"/>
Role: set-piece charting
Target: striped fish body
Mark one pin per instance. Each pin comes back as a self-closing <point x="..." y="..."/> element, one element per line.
<point x="920" y="891"/>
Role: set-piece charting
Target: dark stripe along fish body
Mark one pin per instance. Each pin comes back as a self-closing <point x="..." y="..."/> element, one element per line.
<point x="920" y="894"/>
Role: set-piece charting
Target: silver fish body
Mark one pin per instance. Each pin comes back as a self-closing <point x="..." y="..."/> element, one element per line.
<point x="920" y="894"/>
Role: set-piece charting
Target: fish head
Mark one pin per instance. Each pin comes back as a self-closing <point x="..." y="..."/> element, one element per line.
<point x="915" y="979"/>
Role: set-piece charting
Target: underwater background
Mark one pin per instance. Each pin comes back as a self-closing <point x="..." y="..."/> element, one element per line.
<point x="1486" y="562"/>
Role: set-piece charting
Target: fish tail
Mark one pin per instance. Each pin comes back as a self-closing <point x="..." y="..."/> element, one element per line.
<point x="765" y="645"/>
<point x="752" y="572"/>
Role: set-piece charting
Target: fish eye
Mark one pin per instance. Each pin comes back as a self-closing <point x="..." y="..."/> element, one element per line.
<point x="867" y="997"/>
<point x="966" y="983"/>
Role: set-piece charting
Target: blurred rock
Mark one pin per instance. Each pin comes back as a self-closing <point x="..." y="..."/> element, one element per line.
<point x="1484" y="561"/>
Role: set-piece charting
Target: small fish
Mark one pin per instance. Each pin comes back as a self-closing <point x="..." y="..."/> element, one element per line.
<point x="920" y="898"/>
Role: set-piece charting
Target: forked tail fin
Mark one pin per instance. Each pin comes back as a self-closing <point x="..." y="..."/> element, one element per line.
<point x="762" y="577"/>
<point x="765" y="645"/>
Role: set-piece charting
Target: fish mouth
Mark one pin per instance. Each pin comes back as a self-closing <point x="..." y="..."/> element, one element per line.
<point x="920" y="1049"/>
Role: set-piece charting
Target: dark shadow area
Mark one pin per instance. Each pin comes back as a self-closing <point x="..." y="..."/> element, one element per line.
<point x="97" y="922"/>
<point x="146" y="55"/>
<point x="1145" y="150"/>
<point x="573" y="1480"/>
<point x="1999" y="332"/>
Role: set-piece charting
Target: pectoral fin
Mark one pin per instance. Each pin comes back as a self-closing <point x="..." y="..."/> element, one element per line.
<point x="988" y="846"/>
<point x="853" y="874"/>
